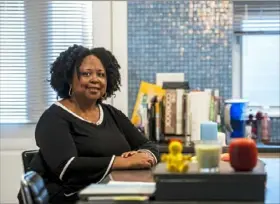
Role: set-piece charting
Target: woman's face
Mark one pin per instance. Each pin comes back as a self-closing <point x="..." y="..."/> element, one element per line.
<point x="92" y="83"/>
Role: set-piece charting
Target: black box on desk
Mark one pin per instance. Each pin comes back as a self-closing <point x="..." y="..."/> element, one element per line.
<point x="227" y="185"/>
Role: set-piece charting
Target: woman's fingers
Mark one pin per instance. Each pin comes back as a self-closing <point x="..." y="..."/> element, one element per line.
<point x="147" y="159"/>
<point x="151" y="159"/>
<point x="124" y="155"/>
<point x="127" y="154"/>
<point x="131" y="153"/>
<point x="146" y="164"/>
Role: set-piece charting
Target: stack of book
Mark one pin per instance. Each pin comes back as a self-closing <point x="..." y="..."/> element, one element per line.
<point x="174" y="111"/>
<point x="115" y="190"/>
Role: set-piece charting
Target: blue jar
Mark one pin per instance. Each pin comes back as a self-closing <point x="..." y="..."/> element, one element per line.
<point x="235" y="117"/>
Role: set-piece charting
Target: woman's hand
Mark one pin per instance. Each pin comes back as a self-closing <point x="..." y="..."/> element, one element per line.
<point x="128" y="154"/>
<point x="140" y="160"/>
<point x="134" y="160"/>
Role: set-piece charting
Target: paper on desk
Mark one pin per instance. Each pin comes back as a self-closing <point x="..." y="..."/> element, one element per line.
<point x="132" y="183"/>
<point x="120" y="188"/>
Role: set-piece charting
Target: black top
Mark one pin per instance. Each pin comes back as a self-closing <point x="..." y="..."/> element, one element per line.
<point x="74" y="152"/>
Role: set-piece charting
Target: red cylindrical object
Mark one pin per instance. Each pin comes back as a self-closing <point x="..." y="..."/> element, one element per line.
<point x="243" y="154"/>
<point x="265" y="130"/>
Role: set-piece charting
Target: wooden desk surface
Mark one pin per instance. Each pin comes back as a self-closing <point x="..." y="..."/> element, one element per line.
<point x="272" y="192"/>
<point x="132" y="175"/>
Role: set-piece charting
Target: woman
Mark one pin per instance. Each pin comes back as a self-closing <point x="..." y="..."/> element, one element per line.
<point x="81" y="139"/>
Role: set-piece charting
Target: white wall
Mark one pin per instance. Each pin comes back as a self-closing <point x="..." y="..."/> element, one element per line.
<point x="108" y="16"/>
<point x="119" y="48"/>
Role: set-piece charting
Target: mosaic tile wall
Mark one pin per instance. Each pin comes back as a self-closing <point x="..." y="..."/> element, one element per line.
<point x="194" y="37"/>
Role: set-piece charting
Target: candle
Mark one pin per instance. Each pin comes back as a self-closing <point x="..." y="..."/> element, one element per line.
<point x="208" y="131"/>
<point x="222" y="138"/>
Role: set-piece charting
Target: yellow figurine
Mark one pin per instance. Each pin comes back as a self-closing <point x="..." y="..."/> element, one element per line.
<point x="175" y="160"/>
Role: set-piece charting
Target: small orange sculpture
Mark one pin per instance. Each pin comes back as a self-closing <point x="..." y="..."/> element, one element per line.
<point x="175" y="160"/>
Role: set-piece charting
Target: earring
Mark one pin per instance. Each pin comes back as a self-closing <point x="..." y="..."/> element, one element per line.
<point x="70" y="91"/>
<point x="104" y="96"/>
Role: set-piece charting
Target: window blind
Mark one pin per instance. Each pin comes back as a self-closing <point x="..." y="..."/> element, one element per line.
<point x="12" y="62"/>
<point x="256" y="17"/>
<point x="46" y="29"/>
<point x="69" y="23"/>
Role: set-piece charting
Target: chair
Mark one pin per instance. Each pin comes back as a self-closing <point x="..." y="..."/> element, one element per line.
<point x="33" y="190"/>
<point x="27" y="157"/>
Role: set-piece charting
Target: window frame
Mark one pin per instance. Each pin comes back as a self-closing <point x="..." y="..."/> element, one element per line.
<point x="237" y="85"/>
<point x="274" y="111"/>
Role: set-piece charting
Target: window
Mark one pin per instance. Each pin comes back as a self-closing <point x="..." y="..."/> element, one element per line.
<point x="12" y="62"/>
<point x="257" y="29"/>
<point x="31" y="37"/>
<point x="260" y="69"/>
<point x="69" y="22"/>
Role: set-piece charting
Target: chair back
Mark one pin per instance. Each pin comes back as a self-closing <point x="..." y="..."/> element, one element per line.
<point x="27" y="157"/>
<point x="33" y="189"/>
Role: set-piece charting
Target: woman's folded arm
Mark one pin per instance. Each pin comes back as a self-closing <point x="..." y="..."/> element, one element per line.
<point x="135" y="138"/>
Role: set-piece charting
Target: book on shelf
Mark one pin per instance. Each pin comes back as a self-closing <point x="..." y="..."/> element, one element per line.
<point x="142" y="104"/>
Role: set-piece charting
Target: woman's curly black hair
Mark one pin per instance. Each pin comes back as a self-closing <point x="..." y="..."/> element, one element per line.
<point x="69" y="61"/>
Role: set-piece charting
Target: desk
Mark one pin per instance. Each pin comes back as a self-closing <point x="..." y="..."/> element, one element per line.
<point x="272" y="194"/>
